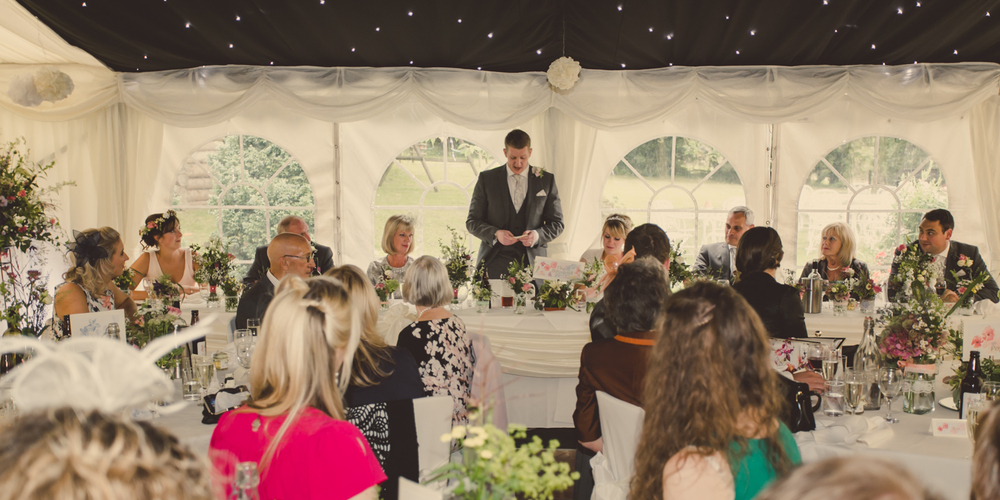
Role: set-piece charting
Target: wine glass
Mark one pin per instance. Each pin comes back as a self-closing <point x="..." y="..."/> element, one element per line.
<point x="991" y="391"/>
<point x="976" y="409"/>
<point x="854" y="390"/>
<point x="890" y="382"/>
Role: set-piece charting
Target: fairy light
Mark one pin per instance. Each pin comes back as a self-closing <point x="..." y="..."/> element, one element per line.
<point x="378" y="28"/>
<point x="873" y="46"/>
<point x="899" y="10"/>
<point x="237" y="18"/>
<point x="650" y="29"/>
<point x="619" y="8"/>
<point x="623" y="65"/>
<point x="490" y="35"/>
<point x="460" y="20"/>
<point x="753" y="32"/>
<point x="230" y="45"/>
<point x="410" y="13"/>
<point x="539" y="51"/>
<point x="670" y="36"/>
<point x="187" y="25"/>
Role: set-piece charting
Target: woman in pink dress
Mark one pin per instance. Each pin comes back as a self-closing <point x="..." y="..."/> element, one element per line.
<point x="294" y="428"/>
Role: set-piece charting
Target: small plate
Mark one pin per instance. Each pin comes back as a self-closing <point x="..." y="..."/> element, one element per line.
<point x="948" y="403"/>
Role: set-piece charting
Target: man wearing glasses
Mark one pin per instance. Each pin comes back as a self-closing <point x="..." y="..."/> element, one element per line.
<point x="295" y="225"/>
<point x="288" y="254"/>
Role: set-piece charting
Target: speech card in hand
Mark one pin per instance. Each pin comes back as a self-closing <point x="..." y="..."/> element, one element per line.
<point x="979" y="336"/>
<point x="96" y="324"/>
<point x="552" y="269"/>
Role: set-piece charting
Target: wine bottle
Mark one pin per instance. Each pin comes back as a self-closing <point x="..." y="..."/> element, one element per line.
<point x="67" y="330"/>
<point x="198" y="344"/>
<point x="868" y="360"/>
<point x="9" y="360"/>
<point x="245" y="482"/>
<point x="971" y="385"/>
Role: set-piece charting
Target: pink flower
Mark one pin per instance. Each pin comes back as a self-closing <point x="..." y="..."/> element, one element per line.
<point x="526" y="287"/>
<point x="961" y="289"/>
<point x="22" y="193"/>
<point x="511" y="279"/>
<point x="52" y="221"/>
<point x="150" y="225"/>
<point x="901" y="247"/>
<point x="22" y="229"/>
<point x="988" y="333"/>
<point x="977" y="342"/>
<point x="380" y="286"/>
<point x="231" y="256"/>
<point x="174" y="310"/>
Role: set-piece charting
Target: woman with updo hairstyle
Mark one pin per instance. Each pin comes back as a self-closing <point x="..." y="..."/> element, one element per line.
<point x="758" y="257"/>
<point x="397" y="243"/>
<point x="97" y="257"/>
<point x="293" y="426"/>
<point x="711" y="428"/>
<point x="163" y="253"/>
<point x="616" y="228"/>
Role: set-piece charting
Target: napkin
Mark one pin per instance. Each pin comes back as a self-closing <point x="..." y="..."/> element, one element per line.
<point x="873" y="431"/>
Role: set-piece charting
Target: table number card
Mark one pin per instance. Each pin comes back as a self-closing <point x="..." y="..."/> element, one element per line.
<point x="949" y="427"/>
<point x="552" y="269"/>
<point x="980" y="335"/>
<point x="96" y="324"/>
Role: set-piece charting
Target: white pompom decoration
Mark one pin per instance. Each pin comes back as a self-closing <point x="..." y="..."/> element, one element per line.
<point x="53" y="85"/>
<point x="22" y="91"/>
<point x="563" y="73"/>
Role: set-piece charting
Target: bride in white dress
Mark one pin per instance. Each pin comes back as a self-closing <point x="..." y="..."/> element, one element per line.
<point x="163" y="253"/>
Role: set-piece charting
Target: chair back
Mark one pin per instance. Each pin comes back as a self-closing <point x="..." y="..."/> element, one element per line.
<point x="621" y="426"/>
<point x="433" y="418"/>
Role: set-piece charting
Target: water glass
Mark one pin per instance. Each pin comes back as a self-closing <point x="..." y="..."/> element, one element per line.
<point x="831" y="359"/>
<point x="204" y="370"/>
<point x="890" y="382"/>
<point x="253" y="324"/>
<point x="190" y="384"/>
<point x="203" y="290"/>
<point x="245" y="342"/>
<point x="973" y="414"/>
<point x="833" y="398"/>
<point x="991" y="391"/>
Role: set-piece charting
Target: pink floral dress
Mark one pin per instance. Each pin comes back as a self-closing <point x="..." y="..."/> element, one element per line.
<point x="444" y="356"/>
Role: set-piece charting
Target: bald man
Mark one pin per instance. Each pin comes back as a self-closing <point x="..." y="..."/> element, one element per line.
<point x="288" y="254"/>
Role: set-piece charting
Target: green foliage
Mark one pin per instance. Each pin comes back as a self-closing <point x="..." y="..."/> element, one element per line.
<point x="457" y="259"/>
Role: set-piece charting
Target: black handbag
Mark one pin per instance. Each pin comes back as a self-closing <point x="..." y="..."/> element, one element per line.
<point x="799" y="408"/>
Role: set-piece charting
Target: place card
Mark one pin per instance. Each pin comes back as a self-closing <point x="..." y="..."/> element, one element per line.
<point x="979" y="335"/>
<point x="949" y="427"/>
<point x="552" y="269"/>
<point x="96" y="324"/>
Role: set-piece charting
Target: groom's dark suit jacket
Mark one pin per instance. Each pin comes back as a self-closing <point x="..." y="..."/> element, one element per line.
<point x="990" y="288"/>
<point x="491" y="209"/>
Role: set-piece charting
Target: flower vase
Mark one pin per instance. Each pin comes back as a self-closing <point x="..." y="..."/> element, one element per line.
<point x="213" y="298"/>
<point x="839" y="307"/>
<point x="964" y="311"/>
<point x="454" y="301"/>
<point x="867" y="306"/>
<point x="482" y="306"/>
<point x="232" y="303"/>
<point x="918" y="388"/>
<point x="383" y="305"/>
<point x="520" y="302"/>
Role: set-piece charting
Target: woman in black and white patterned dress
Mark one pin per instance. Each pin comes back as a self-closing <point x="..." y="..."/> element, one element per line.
<point x="437" y="340"/>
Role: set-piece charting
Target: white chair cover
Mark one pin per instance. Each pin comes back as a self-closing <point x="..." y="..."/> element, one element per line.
<point x="621" y="425"/>
<point x="487" y="383"/>
<point x="433" y="419"/>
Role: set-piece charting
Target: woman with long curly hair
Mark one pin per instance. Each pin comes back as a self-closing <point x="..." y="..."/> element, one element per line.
<point x="712" y="402"/>
<point x="98" y="257"/>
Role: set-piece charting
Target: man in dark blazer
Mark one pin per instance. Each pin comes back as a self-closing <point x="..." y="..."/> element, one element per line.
<point x="290" y="224"/>
<point x="716" y="259"/>
<point x="935" y="238"/>
<point x="515" y="209"/>
<point x="288" y="253"/>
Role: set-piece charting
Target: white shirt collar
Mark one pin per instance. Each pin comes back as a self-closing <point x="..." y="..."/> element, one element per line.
<point x="274" y="281"/>
<point x="524" y="173"/>
<point x="944" y="253"/>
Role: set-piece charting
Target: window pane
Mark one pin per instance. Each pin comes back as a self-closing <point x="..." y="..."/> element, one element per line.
<point x="466" y="160"/>
<point x="242" y="194"/>
<point x="444" y="195"/>
<point x="198" y="225"/>
<point x="262" y="158"/>
<point x="722" y="191"/>
<point x="222" y="158"/>
<point x="624" y="190"/>
<point x="897" y="158"/>
<point x="247" y="229"/>
<point x="855" y="161"/>
<point x="290" y="188"/>
<point x="194" y="185"/>
<point x="417" y="159"/>
<point x="433" y="227"/>
<point x="824" y="198"/>
<point x="679" y="226"/>
<point x="308" y="215"/>
<point x="652" y="161"/>
<point x="397" y="188"/>
<point x="673" y="198"/>
<point x="695" y="161"/>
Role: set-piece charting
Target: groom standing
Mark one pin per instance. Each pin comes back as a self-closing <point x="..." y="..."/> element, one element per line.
<point x="515" y="209"/>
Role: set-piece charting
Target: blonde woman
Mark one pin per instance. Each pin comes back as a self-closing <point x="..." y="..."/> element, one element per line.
<point x="837" y="262"/>
<point x="437" y="339"/>
<point x="98" y="257"/>
<point x="616" y="228"/>
<point x="294" y="428"/>
<point x="163" y="253"/>
<point x="397" y="243"/>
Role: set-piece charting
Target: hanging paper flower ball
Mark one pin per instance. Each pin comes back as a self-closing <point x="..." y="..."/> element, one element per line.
<point x="53" y="85"/>
<point x="563" y="73"/>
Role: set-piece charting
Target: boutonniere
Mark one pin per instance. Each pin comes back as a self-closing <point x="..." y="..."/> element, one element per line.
<point x="964" y="261"/>
<point x="538" y="171"/>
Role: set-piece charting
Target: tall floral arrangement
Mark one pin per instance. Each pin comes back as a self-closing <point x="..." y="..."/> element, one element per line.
<point x="154" y="318"/>
<point x="680" y="272"/>
<point x="481" y="289"/>
<point x="214" y="261"/>
<point x="519" y="276"/>
<point x="966" y="281"/>
<point x="457" y="259"/>
<point x="27" y="226"/>
<point x="555" y="294"/>
<point x="864" y="286"/>
<point x="385" y="284"/>
<point x="914" y="270"/>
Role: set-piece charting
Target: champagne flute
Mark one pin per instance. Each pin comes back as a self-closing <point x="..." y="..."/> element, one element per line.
<point x="830" y="360"/>
<point x="890" y="382"/>
<point x="854" y="391"/>
<point x="976" y="409"/>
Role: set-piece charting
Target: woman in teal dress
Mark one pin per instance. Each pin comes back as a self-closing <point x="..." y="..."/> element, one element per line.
<point x="711" y="429"/>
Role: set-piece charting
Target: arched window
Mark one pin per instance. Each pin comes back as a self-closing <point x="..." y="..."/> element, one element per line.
<point x="681" y="184"/>
<point x="240" y="186"/>
<point x="880" y="186"/>
<point x="433" y="181"/>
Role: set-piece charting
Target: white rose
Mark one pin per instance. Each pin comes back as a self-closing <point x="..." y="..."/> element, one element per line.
<point x="53" y="85"/>
<point x="563" y="73"/>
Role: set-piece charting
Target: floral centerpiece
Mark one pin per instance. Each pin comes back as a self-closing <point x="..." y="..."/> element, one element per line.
<point x="457" y="260"/>
<point x="481" y="289"/>
<point x="965" y="281"/>
<point x="231" y="289"/>
<point x="864" y="286"/>
<point x="954" y="346"/>
<point x="679" y="272"/>
<point x="154" y="319"/>
<point x="555" y="294"/>
<point x="838" y="290"/>
<point x="214" y="261"/>
<point x="494" y="467"/>
<point x="126" y="280"/>
<point x="165" y="290"/>
<point x="519" y="276"/>
<point x="26" y="227"/>
<point x="591" y="281"/>
<point x="914" y="270"/>
<point x="385" y="285"/>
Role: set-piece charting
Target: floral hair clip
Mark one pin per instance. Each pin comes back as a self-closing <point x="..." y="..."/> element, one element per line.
<point x="157" y="223"/>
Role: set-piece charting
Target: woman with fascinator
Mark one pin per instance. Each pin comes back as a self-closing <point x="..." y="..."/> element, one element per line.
<point x="397" y="243"/>
<point x="163" y="253"/>
<point x="98" y="257"/>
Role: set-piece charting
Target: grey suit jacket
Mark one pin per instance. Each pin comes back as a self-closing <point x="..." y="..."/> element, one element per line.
<point x="713" y="260"/>
<point x="488" y="210"/>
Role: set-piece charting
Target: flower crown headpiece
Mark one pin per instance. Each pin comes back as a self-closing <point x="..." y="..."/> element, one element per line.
<point x="157" y="223"/>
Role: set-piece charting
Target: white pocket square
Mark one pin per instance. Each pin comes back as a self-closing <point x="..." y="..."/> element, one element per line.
<point x="541" y="193"/>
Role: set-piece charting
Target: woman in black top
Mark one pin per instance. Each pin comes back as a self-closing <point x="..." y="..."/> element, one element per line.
<point x="837" y="262"/>
<point x="779" y="306"/>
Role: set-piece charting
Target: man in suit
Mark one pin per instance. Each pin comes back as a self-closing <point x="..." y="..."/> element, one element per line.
<point x="290" y="224"/>
<point x="935" y="238"/>
<point x="716" y="259"/>
<point x="288" y="253"/>
<point x="515" y="209"/>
